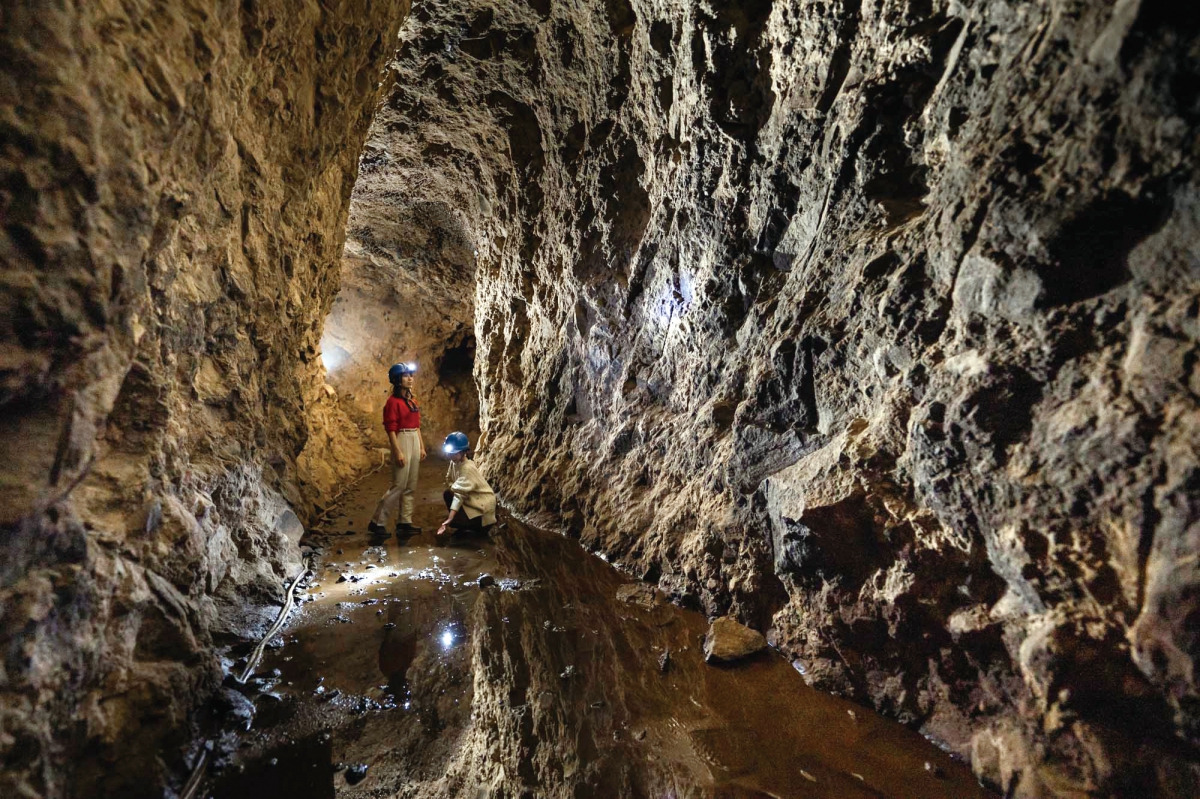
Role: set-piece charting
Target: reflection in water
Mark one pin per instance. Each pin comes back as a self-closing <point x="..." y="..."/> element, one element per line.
<point x="550" y="685"/>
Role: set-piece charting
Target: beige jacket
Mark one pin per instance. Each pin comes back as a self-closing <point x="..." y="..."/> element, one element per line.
<point x="471" y="492"/>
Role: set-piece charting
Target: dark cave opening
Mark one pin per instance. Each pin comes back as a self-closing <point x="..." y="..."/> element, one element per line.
<point x="456" y="366"/>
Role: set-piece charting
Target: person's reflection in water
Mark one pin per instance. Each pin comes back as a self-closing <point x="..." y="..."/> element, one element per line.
<point x="397" y="651"/>
<point x="427" y="628"/>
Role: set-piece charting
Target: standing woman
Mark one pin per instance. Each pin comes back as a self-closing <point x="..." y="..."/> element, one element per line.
<point x="402" y="421"/>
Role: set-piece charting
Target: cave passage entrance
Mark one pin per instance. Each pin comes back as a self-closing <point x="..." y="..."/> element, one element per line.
<point x="407" y="294"/>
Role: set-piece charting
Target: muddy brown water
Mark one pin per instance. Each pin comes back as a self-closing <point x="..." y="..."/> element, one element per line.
<point x="546" y="684"/>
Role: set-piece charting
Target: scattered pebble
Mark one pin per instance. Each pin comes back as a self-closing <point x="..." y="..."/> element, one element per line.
<point x="664" y="662"/>
<point x="934" y="770"/>
<point x="389" y="625"/>
<point x="807" y="776"/>
<point x="568" y="673"/>
<point x="486" y="580"/>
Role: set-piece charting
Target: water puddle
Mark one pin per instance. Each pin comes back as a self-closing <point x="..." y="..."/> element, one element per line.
<point x="401" y="676"/>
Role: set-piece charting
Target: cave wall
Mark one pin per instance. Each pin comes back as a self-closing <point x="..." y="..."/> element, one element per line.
<point x="409" y="268"/>
<point x="871" y="322"/>
<point x="176" y="182"/>
<point x="407" y="291"/>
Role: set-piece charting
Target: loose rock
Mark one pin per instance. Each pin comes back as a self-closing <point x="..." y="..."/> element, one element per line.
<point x="729" y="640"/>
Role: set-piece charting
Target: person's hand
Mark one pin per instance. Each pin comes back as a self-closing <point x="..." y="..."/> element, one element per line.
<point x="399" y="459"/>
<point x="441" y="531"/>
<point x="423" y="453"/>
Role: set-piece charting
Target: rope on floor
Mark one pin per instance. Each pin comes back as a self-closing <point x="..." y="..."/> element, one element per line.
<point x="189" y="787"/>
<point x="289" y="601"/>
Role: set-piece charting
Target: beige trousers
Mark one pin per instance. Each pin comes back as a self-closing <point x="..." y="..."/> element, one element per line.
<point x="404" y="481"/>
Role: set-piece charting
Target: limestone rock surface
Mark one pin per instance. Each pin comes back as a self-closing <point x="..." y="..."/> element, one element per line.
<point x="872" y="324"/>
<point x="175" y="185"/>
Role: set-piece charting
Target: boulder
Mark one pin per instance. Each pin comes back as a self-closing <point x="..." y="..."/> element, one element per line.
<point x="729" y="640"/>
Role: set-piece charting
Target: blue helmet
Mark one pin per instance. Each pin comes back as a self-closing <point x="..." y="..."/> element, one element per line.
<point x="456" y="443"/>
<point x="399" y="370"/>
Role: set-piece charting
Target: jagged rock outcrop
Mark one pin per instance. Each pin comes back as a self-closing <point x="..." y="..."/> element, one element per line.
<point x="872" y="324"/>
<point x="176" y="181"/>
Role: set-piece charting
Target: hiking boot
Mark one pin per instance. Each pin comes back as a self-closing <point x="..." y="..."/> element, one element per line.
<point x="376" y="529"/>
<point x="405" y="529"/>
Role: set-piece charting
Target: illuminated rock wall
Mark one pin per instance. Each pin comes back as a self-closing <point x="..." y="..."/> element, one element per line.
<point x="176" y="182"/>
<point x="872" y="323"/>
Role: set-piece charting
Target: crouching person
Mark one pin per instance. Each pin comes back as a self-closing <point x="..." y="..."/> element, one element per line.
<point x="470" y="500"/>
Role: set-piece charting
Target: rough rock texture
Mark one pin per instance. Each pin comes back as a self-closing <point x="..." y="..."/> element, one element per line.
<point x="567" y="698"/>
<point x="870" y="322"/>
<point x="873" y="323"/>
<point x="176" y="181"/>
<point x="408" y="284"/>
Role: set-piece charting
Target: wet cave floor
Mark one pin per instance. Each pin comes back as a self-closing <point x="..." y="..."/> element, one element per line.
<point x="408" y="679"/>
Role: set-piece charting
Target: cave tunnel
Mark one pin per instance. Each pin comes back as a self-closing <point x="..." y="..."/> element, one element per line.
<point x="830" y="366"/>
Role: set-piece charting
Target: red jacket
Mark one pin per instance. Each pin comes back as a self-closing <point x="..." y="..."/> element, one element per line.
<point x="397" y="416"/>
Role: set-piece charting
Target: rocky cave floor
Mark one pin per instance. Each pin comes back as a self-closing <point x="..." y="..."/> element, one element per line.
<point x="400" y="676"/>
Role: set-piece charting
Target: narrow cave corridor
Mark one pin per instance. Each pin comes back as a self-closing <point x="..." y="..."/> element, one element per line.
<point x="834" y="363"/>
